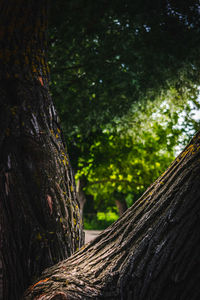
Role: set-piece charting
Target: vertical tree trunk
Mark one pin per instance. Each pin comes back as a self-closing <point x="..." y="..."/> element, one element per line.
<point x="80" y="196"/>
<point x="121" y="205"/>
<point x="40" y="219"/>
<point x="1" y="268"/>
<point x="151" y="252"/>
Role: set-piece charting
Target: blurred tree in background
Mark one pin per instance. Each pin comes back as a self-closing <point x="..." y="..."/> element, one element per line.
<point x="121" y="78"/>
<point x="126" y="158"/>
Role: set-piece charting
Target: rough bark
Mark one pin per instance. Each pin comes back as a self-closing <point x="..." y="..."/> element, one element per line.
<point x="1" y="268"/>
<point x="40" y="219"/>
<point x="151" y="252"/>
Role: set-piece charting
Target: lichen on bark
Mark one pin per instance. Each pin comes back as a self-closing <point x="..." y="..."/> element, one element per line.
<point x="37" y="195"/>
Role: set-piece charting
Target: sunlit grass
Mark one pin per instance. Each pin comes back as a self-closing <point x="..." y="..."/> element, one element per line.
<point x="101" y="220"/>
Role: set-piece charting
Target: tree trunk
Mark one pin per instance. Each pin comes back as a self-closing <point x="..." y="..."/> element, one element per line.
<point x="121" y="205"/>
<point x="40" y="219"/>
<point x="80" y="196"/>
<point x="151" y="252"/>
<point x="1" y="268"/>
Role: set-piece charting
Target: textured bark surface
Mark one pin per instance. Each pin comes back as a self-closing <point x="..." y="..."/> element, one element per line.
<point x="23" y="40"/>
<point x="151" y="252"/>
<point x="1" y="268"/>
<point x="39" y="212"/>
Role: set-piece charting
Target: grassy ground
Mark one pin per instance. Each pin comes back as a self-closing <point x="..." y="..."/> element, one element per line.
<point x="99" y="221"/>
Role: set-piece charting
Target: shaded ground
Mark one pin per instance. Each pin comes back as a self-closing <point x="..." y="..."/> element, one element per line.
<point x="91" y="234"/>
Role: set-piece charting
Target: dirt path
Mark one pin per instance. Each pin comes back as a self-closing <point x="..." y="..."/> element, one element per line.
<point x="91" y="234"/>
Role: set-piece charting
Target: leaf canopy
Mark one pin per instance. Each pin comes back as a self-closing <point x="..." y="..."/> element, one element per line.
<point x="106" y="55"/>
<point x="110" y="60"/>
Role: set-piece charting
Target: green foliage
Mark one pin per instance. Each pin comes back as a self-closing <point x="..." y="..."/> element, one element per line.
<point x="100" y="221"/>
<point x="123" y="72"/>
<point x="106" y="55"/>
<point x="125" y="159"/>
